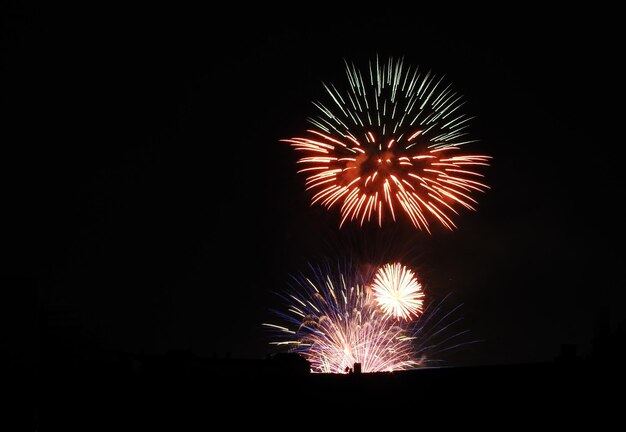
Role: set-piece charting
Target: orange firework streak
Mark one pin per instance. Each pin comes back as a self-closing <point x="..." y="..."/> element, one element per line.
<point x="372" y="160"/>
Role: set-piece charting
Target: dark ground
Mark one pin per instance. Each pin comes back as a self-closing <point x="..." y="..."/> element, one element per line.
<point x="183" y="392"/>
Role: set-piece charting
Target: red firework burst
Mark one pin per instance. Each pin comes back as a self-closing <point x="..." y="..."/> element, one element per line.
<point x="394" y="149"/>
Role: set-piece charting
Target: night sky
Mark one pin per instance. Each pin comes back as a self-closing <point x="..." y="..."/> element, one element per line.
<point x="165" y="210"/>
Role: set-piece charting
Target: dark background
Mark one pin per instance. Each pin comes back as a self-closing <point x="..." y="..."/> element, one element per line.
<point x="161" y="210"/>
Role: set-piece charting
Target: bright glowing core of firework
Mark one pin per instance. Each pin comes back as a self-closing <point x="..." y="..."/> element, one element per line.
<point x="335" y="323"/>
<point x="333" y="320"/>
<point x="397" y="291"/>
<point x="391" y="144"/>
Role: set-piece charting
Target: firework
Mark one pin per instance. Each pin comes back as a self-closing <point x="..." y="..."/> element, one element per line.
<point x="391" y="144"/>
<point x="397" y="291"/>
<point x="333" y="321"/>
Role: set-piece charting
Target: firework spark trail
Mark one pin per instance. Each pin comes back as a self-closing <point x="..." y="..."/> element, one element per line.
<point x="389" y="144"/>
<point x="397" y="291"/>
<point x="334" y="324"/>
<point x="437" y="321"/>
<point x="333" y="321"/>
